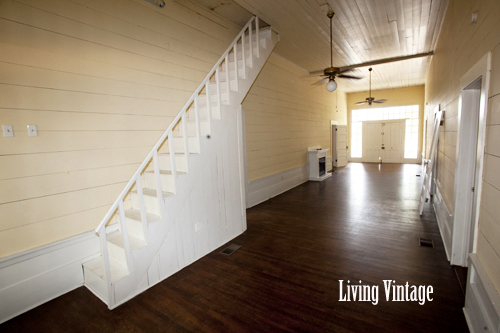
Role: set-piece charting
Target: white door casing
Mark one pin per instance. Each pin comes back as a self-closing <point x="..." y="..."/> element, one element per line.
<point x="472" y="113"/>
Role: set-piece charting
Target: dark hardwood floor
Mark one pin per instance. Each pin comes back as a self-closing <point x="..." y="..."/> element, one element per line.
<point x="360" y="224"/>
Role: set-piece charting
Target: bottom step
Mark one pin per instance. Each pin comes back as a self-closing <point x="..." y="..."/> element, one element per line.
<point x="93" y="271"/>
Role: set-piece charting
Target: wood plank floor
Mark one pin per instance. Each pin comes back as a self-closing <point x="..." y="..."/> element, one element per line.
<point x="360" y="224"/>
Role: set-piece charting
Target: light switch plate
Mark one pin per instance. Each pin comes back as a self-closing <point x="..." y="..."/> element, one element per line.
<point x="8" y="131"/>
<point x="32" y="130"/>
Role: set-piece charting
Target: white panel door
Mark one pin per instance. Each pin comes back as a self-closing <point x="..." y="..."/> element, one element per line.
<point x="392" y="142"/>
<point x="341" y="140"/>
<point x="372" y="142"/>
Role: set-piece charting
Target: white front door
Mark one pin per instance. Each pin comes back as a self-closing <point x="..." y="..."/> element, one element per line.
<point x="383" y="141"/>
<point x="392" y="142"/>
<point x="341" y="142"/>
<point x="372" y="142"/>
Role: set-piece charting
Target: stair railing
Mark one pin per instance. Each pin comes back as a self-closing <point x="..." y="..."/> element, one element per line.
<point x="117" y="206"/>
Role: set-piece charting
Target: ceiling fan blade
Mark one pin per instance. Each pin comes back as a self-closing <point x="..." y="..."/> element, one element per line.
<point x="359" y="103"/>
<point x="345" y="70"/>
<point x="321" y="72"/>
<point x="320" y="82"/>
<point x="379" y="101"/>
<point x="343" y="76"/>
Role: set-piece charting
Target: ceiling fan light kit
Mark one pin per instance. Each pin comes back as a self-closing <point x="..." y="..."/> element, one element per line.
<point x="331" y="72"/>
<point x="331" y="86"/>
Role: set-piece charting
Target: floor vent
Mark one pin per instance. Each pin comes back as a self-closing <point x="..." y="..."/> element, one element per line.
<point x="230" y="249"/>
<point x="426" y="242"/>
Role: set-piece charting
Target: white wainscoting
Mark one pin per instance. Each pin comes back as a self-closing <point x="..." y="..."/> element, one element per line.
<point x="265" y="188"/>
<point x="35" y="277"/>
<point x="482" y="302"/>
<point x="445" y="221"/>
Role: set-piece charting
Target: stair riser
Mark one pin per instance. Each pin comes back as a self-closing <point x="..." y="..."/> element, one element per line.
<point x="191" y="128"/>
<point x="134" y="228"/>
<point x="117" y="254"/>
<point x="203" y="112"/>
<point x="193" y="144"/>
<point x="151" y="203"/>
<point x="180" y="163"/>
<point x="167" y="182"/>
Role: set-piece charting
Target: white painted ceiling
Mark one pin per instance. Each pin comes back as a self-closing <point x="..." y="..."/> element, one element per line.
<point x="363" y="30"/>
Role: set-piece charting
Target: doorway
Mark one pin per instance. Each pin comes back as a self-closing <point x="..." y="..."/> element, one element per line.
<point x="339" y="146"/>
<point x="383" y="141"/>
<point x="469" y="163"/>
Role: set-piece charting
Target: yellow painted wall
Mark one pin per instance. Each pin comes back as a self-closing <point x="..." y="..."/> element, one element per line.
<point x="395" y="97"/>
<point x="460" y="46"/>
<point x="101" y="79"/>
<point x="284" y="115"/>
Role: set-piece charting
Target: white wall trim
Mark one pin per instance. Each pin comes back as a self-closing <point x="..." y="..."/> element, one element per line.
<point x="482" y="302"/>
<point x="265" y="188"/>
<point x="34" y="277"/>
<point x="445" y="221"/>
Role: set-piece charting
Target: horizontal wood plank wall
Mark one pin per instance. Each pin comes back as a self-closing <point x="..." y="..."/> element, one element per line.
<point x="101" y="80"/>
<point x="460" y="46"/>
<point x="284" y="115"/>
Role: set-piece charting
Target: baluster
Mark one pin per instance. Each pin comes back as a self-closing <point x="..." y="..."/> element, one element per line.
<point x="107" y="269"/>
<point x="217" y="83"/>
<point x="236" y="65"/>
<point x="172" y="158"/>
<point x="244" y="60"/>
<point x="226" y="64"/>
<point x="257" y="35"/>
<point x="197" y="120"/>
<point x="184" y="130"/>
<point x="144" y="218"/>
<point x="209" y="106"/>
<point x="126" y="242"/>
<point x="250" y="38"/>
<point x="159" y="191"/>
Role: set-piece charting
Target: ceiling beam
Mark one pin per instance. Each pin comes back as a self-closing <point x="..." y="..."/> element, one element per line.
<point x="381" y="61"/>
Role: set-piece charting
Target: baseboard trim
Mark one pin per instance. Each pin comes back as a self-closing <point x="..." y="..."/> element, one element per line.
<point x="265" y="188"/>
<point x="482" y="301"/>
<point x="34" y="277"/>
<point x="445" y="221"/>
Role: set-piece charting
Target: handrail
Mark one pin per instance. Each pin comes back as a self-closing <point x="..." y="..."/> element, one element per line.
<point x="164" y="136"/>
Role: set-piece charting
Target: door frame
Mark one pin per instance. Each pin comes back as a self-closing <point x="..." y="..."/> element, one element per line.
<point x="403" y="136"/>
<point x="465" y="225"/>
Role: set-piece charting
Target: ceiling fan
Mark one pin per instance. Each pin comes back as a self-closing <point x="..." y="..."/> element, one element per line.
<point x="331" y="72"/>
<point x="371" y="99"/>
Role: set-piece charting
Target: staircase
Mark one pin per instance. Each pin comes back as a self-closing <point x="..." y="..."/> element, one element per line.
<point x="187" y="198"/>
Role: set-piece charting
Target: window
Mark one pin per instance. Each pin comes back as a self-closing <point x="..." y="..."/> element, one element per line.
<point x="410" y="113"/>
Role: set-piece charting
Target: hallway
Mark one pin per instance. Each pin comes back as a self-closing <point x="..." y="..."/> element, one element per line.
<point x="360" y="224"/>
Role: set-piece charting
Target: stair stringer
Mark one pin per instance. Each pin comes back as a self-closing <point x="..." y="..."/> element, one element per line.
<point x="208" y="209"/>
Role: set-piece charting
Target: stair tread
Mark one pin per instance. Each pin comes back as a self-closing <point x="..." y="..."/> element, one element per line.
<point x="117" y="239"/>
<point x="152" y="193"/>
<point x="135" y="214"/>
<point x="117" y="271"/>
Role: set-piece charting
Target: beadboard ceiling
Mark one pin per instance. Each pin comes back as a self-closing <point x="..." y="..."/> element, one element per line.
<point x="363" y="30"/>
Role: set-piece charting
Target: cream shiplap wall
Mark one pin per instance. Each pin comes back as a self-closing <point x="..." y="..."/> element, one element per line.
<point x="284" y="115"/>
<point x="101" y="79"/>
<point x="395" y="97"/>
<point x="460" y="46"/>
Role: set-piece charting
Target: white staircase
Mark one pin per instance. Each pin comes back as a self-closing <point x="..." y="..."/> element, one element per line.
<point x="187" y="197"/>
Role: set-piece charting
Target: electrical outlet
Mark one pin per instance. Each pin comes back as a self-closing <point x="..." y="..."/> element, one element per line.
<point x="32" y="130"/>
<point x="8" y="131"/>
